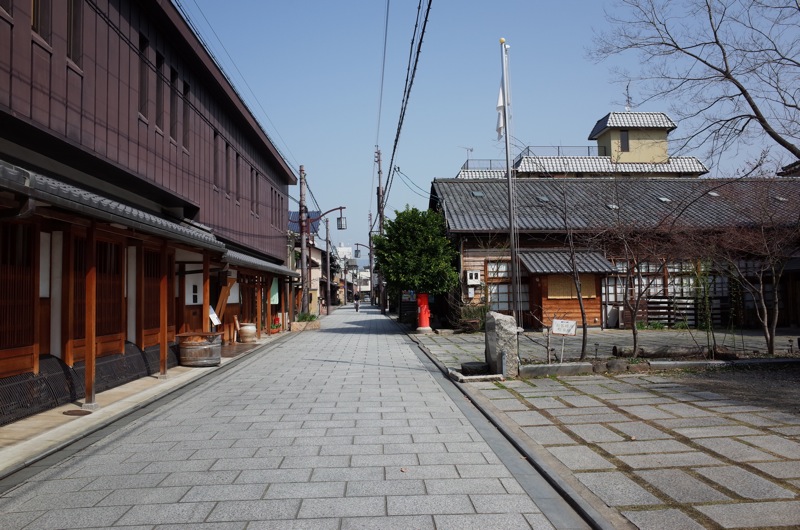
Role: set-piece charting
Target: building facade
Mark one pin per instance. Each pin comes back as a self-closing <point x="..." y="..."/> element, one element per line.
<point x="138" y="194"/>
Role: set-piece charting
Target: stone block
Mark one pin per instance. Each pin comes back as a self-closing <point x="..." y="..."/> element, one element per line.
<point x="502" y="350"/>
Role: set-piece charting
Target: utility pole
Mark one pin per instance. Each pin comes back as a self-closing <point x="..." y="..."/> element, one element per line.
<point x="372" y="266"/>
<point x="328" y="266"/>
<point x="303" y="242"/>
<point x="380" y="225"/>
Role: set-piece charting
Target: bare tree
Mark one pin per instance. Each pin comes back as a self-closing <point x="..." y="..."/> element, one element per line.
<point x="756" y="251"/>
<point x="729" y="68"/>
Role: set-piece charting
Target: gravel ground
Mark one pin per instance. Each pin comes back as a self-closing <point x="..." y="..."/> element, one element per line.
<point x="777" y="388"/>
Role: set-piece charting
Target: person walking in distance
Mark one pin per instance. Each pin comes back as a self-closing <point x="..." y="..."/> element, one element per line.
<point x="356" y="300"/>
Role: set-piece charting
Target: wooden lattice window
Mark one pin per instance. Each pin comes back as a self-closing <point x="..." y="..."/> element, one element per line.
<point x="152" y="286"/>
<point x="109" y="288"/>
<point x="17" y="285"/>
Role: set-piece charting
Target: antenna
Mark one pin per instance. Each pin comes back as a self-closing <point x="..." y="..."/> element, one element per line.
<point x="628" y="97"/>
<point x="468" y="149"/>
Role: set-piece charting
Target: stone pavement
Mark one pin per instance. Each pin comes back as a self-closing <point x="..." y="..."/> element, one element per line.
<point x="663" y="454"/>
<point x="347" y="427"/>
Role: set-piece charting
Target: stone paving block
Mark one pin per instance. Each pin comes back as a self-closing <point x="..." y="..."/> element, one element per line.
<point x="528" y="417"/>
<point x="488" y="503"/>
<point x="397" y="522"/>
<point x="548" y="435"/>
<point x="139" y="496"/>
<point x="152" y="514"/>
<point x="226" y="492"/>
<point x="715" y="432"/>
<point x="300" y="448"/>
<point x="580" y="457"/>
<point x="595" y="433"/>
<point x="468" y="447"/>
<point x="612" y="417"/>
<point x="372" y="488"/>
<point x="651" y="461"/>
<point x="74" y="499"/>
<point x="483" y="521"/>
<point x="427" y="459"/>
<point x="744" y="483"/>
<point x="343" y="507"/>
<point x="582" y="401"/>
<point x="364" y="449"/>
<point x="682" y="487"/>
<point x="199" y="478"/>
<point x="143" y="480"/>
<point x="417" y="448"/>
<point x="254" y="510"/>
<point x="81" y="517"/>
<point x="305" y="490"/>
<point x="775" y="444"/>
<point x="397" y="460"/>
<point x="662" y="519"/>
<point x="735" y="450"/>
<point x="15" y="520"/>
<point x="421" y="472"/>
<point x="546" y="403"/>
<point x="616" y="489"/>
<point x="330" y="523"/>
<point x="333" y="474"/>
<point x="647" y="412"/>
<point x="421" y="438"/>
<point x="428" y="504"/>
<point x="464" y="486"/>
<point x="784" y="469"/>
<point x="637" y="447"/>
<point x="265" y="476"/>
<point x="510" y="404"/>
<point x="757" y="515"/>
<point x="682" y="423"/>
<point x="301" y="462"/>
<point x="783" y="417"/>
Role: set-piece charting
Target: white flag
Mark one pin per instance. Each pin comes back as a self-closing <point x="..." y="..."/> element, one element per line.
<point x="500" y="120"/>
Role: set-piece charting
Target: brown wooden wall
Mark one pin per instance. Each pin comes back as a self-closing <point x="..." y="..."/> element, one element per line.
<point x="176" y="138"/>
<point x="569" y="308"/>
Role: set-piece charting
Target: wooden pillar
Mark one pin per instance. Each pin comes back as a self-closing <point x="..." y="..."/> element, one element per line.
<point x="259" y="299"/>
<point x="140" y="294"/>
<point x="163" y="312"/>
<point x="37" y="307"/>
<point x="180" y="306"/>
<point x="206" y="292"/>
<point x="268" y="288"/>
<point x="91" y="316"/>
<point x="68" y="300"/>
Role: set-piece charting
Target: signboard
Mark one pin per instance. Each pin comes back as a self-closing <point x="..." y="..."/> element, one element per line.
<point x="213" y="316"/>
<point x="564" y="327"/>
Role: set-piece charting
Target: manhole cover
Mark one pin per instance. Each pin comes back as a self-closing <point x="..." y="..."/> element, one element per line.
<point x="77" y="412"/>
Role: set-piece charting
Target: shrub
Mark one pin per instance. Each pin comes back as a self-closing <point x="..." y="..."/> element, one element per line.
<point x="656" y="325"/>
<point x="306" y="317"/>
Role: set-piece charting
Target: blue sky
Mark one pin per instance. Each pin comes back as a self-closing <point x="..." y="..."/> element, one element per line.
<point x="310" y="70"/>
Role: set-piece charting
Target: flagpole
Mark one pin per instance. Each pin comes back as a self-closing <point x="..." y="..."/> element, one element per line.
<point x="512" y="230"/>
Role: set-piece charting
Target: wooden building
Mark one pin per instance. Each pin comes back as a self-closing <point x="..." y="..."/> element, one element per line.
<point x="137" y="194"/>
<point x="629" y="187"/>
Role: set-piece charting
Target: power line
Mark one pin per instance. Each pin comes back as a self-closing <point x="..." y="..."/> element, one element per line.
<point x="414" y="52"/>
<point x="409" y="183"/>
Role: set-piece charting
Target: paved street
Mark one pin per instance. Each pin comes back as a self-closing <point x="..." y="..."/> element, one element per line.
<point x="662" y="453"/>
<point x="347" y="427"/>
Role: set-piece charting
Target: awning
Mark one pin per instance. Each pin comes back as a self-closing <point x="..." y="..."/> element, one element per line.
<point x="72" y="198"/>
<point x="558" y="262"/>
<point x="243" y="260"/>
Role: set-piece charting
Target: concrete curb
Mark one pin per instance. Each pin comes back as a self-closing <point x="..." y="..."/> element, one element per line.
<point x="585" y="509"/>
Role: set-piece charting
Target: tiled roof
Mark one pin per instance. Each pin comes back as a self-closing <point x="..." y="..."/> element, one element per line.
<point x="602" y="165"/>
<point x="237" y="258"/>
<point x="632" y="120"/>
<point x="558" y="261"/>
<point x="480" y="205"/>
<point x="481" y="174"/>
<point x="75" y="199"/>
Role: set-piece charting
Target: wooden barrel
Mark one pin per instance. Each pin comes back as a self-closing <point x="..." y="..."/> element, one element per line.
<point x="200" y="349"/>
